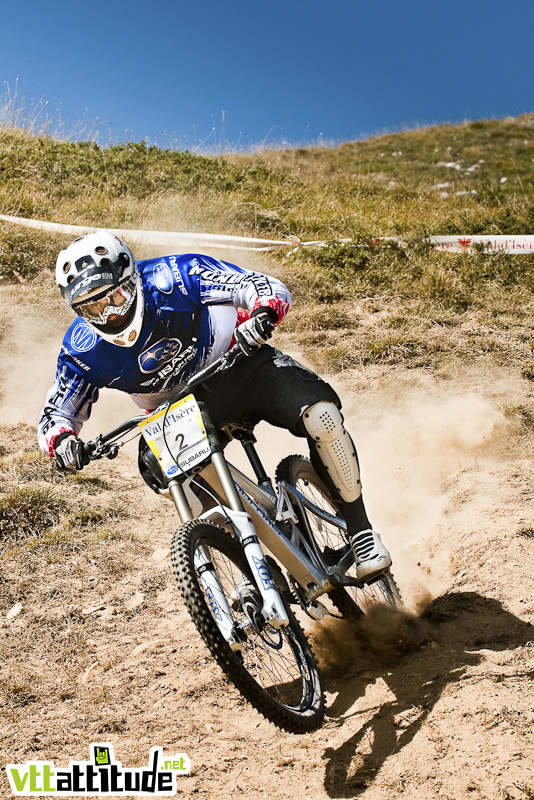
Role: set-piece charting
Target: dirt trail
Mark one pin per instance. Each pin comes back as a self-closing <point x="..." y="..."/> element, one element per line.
<point x="437" y="704"/>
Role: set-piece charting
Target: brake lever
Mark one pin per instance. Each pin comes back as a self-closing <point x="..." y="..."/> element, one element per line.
<point x="97" y="449"/>
<point x="229" y="358"/>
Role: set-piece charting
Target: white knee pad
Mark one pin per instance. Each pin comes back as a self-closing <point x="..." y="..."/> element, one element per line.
<point x="324" y="423"/>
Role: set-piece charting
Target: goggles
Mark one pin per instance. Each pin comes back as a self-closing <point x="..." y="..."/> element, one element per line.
<point x="116" y="301"/>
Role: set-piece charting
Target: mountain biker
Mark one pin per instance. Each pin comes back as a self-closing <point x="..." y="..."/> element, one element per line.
<point x="145" y="327"/>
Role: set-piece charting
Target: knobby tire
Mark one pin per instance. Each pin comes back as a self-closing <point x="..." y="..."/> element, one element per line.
<point x="297" y="704"/>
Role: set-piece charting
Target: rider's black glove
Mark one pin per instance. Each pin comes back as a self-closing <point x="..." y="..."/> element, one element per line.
<point x="255" y="331"/>
<point x="69" y="453"/>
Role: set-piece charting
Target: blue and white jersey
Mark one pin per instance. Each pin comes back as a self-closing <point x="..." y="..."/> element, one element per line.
<point x="191" y="311"/>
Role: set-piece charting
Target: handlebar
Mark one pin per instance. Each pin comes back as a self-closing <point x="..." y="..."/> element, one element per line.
<point x="104" y="445"/>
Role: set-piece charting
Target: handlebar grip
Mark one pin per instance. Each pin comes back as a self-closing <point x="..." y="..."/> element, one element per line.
<point x="234" y="352"/>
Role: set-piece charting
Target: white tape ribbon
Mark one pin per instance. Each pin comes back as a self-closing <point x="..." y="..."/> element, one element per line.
<point x="163" y="238"/>
<point x="502" y="244"/>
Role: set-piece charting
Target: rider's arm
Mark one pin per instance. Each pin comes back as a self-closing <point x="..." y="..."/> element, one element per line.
<point x="68" y="406"/>
<point x="217" y="282"/>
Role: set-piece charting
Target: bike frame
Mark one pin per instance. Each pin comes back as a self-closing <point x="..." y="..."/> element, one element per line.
<point x="298" y="553"/>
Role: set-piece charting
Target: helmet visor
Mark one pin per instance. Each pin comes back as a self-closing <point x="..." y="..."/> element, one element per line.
<point x="117" y="301"/>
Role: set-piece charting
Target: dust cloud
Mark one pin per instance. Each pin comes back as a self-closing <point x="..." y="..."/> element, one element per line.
<point x="415" y="436"/>
<point x="27" y="366"/>
<point x="378" y="640"/>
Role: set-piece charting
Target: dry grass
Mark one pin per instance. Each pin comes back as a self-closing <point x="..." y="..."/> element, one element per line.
<point x="43" y="522"/>
<point x="70" y="559"/>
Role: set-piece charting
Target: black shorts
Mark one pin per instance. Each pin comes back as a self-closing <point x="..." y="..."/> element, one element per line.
<point x="269" y="386"/>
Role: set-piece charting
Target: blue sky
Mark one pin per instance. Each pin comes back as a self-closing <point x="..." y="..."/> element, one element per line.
<point x="235" y="73"/>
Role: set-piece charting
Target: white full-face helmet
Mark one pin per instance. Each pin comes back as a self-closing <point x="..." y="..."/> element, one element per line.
<point x="98" y="277"/>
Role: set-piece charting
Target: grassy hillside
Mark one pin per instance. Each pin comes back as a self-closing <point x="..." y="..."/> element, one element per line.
<point x="416" y="303"/>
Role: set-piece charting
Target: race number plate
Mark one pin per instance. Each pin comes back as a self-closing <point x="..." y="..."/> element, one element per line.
<point x="183" y="443"/>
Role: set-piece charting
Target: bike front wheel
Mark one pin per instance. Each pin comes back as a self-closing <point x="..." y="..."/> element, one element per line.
<point x="275" y="670"/>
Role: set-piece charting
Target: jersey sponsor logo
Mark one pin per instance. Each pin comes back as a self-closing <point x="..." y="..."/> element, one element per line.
<point x="176" y="274"/>
<point x="82" y="338"/>
<point x="163" y="277"/>
<point x="73" y="357"/>
<point x="171" y="373"/>
<point x="217" y="277"/>
<point x="261" y="285"/>
<point x="157" y="354"/>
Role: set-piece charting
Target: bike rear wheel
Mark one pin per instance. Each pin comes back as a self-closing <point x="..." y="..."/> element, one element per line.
<point x="275" y="670"/>
<point x="351" y="601"/>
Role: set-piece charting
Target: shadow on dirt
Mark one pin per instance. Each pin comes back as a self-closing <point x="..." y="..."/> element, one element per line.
<point x="416" y="657"/>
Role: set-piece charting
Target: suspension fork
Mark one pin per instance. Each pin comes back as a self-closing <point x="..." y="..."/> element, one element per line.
<point x="273" y="609"/>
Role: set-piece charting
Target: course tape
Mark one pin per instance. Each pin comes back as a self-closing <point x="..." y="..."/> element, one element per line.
<point x="492" y="244"/>
<point x="502" y="244"/>
<point x="164" y="238"/>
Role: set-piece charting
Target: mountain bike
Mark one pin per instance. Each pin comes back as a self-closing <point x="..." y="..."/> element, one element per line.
<point x="248" y="554"/>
